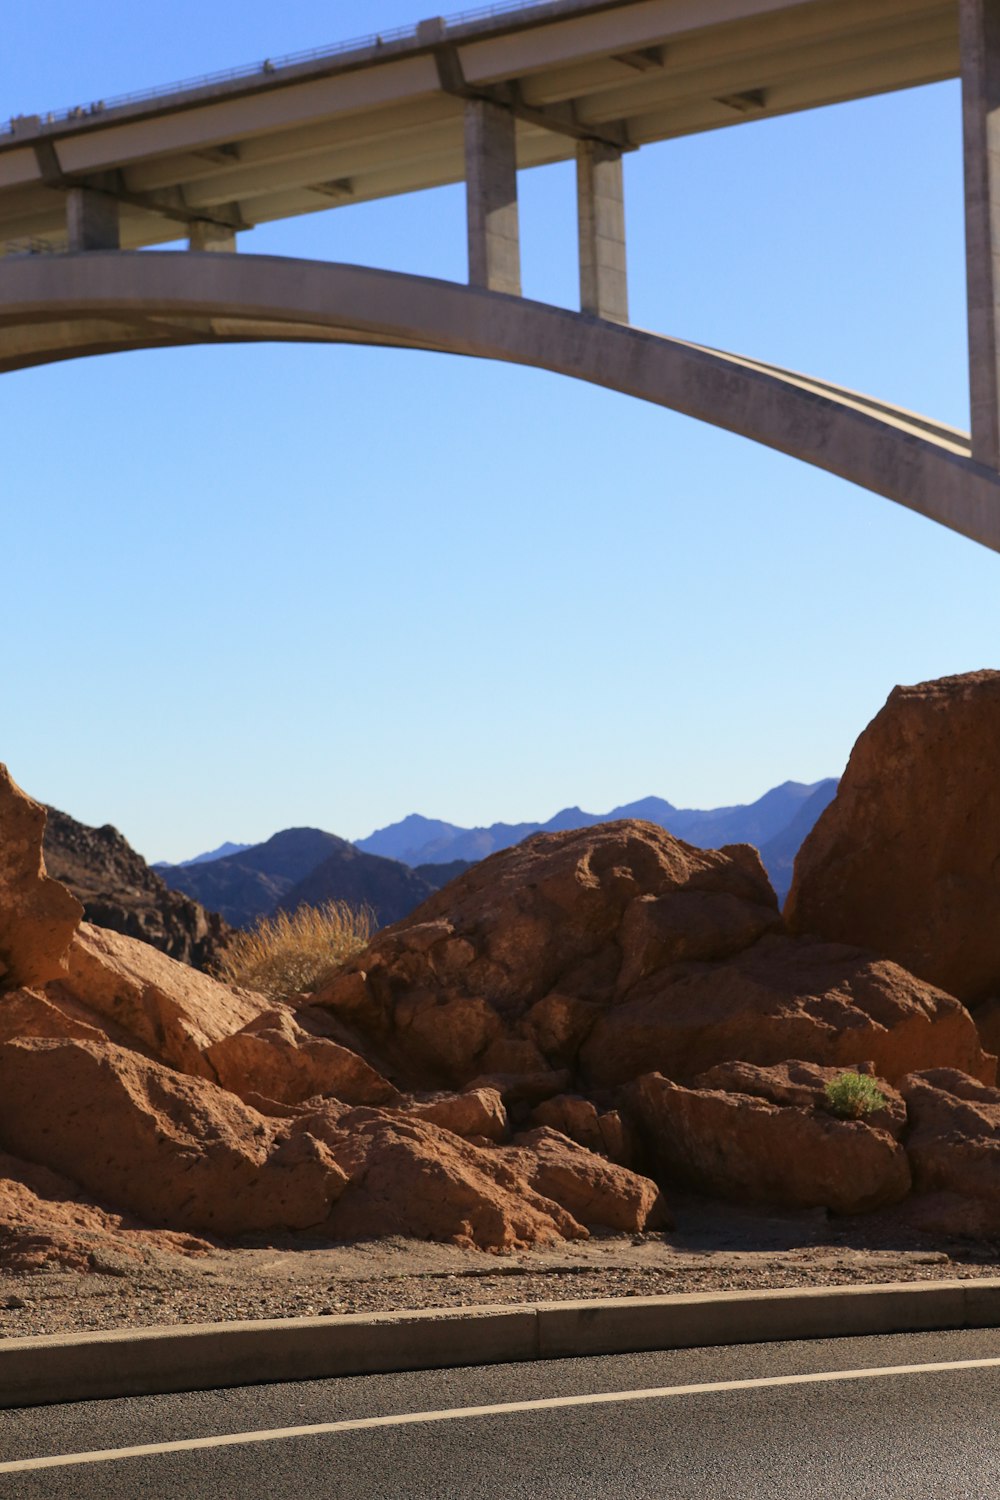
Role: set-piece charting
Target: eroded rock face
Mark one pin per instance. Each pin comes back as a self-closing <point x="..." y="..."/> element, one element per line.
<point x="175" y="1151"/>
<point x="600" y="1130"/>
<point x="783" y="997"/>
<point x="275" y="1057"/>
<point x="408" y="1176"/>
<point x="750" y="1148"/>
<point x="594" y="1191"/>
<point x="954" y="1142"/>
<point x="38" y="916"/>
<point x="904" y="860"/>
<point x="174" y="1011"/>
<point x="506" y="970"/>
<point x="476" y="1113"/>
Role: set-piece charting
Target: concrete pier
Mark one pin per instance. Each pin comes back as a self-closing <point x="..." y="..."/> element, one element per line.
<point x="980" y="57"/>
<point x="600" y="201"/>
<point x="91" y="220"/>
<point x="491" y="197"/>
<point x="203" y="235"/>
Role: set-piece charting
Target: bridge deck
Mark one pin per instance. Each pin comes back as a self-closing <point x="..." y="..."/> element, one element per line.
<point x="385" y="117"/>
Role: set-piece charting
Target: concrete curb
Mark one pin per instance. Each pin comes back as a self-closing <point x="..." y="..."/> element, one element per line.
<point x="206" y="1356"/>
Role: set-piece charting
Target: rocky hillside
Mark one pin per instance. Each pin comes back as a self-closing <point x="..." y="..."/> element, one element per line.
<point x="118" y="890"/>
<point x="295" y="867"/>
<point x="563" y="1039"/>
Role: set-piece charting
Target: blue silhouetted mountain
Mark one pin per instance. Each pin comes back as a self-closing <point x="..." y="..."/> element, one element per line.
<point x="779" y="852"/>
<point x="295" y="867"/>
<point x="757" y="823"/>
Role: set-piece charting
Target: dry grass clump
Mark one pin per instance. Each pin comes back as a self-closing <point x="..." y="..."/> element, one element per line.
<point x="286" y="954"/>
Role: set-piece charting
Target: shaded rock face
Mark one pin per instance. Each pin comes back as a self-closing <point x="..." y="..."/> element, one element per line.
<point x="905" y="858"/>
<point x="38" y="916"/>
<point x="954" y="1145"/>
<point x="118" y="890"/>
<point x="760" y="1147"/>
<point x="601" y="954"/>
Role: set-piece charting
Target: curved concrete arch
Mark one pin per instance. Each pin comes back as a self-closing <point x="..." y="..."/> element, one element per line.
<point x="55" y="307"/>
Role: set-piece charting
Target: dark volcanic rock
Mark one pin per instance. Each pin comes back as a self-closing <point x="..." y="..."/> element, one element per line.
<point x="119" y="891"/>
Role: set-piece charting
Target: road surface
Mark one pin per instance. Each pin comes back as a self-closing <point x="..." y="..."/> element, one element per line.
<point x="901" y="1416"/>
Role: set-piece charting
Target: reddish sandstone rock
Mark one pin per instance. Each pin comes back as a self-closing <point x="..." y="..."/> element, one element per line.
<point x="36" y="1013"/>
<point x="275" y="1057"/>
<point x="595" y="1191"/>
<point x="46" y="1220"/>
<point x="174" y="1011"/>
<point x="503" y="967"/>
<point x="38" y="916"/>
<point x="476" y="1112"/>
<point x="954" y="1143"/>
<point x="176" y="1151"/>
<point x="804" y="1085"/>
<point x="749" y="1149"/>
<point x="904" y="860"/>
<point x="783" y="997"/>
<point x="602" y="1131"/>
<point x="409" y="1177"/>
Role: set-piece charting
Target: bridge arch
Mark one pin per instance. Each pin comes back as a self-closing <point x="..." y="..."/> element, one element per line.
<point x="57" y="307"/>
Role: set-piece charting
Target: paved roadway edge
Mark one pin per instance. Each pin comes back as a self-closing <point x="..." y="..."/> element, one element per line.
<point x="206" y="1356"/>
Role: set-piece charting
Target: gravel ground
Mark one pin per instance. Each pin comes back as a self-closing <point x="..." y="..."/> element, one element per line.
<point x="719" y="1248"/>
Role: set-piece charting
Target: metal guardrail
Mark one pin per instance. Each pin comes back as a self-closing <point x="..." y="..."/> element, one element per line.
<point x="388" y="39"/>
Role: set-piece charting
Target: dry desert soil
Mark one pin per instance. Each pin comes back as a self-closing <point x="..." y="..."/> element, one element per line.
<point x="718" y="1248"/>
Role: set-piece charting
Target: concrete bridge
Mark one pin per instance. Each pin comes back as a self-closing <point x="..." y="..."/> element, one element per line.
<point x="479" y="98"/>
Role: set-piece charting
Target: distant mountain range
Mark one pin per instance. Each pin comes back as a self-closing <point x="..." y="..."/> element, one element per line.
<point x="776" y="823"/>
<point x="303" y="866"/>
<point x="397" y="867"/>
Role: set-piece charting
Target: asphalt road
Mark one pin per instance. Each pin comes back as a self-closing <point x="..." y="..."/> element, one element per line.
<point x="914" y="1432"/>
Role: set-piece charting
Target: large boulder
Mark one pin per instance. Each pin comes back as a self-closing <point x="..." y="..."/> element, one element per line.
<point x="527" y="946"/>
<point x="783" y="998"/>
<point x="176" y="1151"/>
<point x="173" y="1011"/>
<point x="905" y="859"/>
<point x="38" y="916"/>
<point x="275" y="1057"/>
<point x="954" y="1144"/>
<point x="594" y="1190"/>
<point x="410" y="1177"/>
<point x="758" y="1147"/>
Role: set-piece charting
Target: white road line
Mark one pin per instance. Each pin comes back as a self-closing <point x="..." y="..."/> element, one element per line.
<point x="464" y="1413"/>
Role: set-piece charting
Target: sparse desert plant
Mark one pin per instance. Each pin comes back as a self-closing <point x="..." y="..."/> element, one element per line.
<point x="291" y="952"/>
<point x="853" y="1095"/>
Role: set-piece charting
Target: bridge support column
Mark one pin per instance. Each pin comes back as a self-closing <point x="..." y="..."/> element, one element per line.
<point x="205" y="236"/>
<point x="980" y="51"/>
<point x="91" y="220"/>
<point x="600" y="198"/>
<point x="491" y="197"/>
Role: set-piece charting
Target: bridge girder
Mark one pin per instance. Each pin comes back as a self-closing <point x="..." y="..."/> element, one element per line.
<point x="64" y="307"/>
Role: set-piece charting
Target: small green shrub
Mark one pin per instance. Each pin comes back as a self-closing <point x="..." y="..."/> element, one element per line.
<point x="853" y="1095"/>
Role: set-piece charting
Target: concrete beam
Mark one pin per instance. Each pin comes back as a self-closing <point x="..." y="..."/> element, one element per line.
<point x="601" y="216"/>
<point x="92" y="220"/>
<point x="491" y="197"/>
<point x="206" y="235"/>
<point x="980" y="52"/>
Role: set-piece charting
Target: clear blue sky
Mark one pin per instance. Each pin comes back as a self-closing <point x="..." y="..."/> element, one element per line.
<point x="253" y="587"/>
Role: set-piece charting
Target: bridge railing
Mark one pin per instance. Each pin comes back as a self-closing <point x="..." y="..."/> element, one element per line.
<point x="398" y="36"/>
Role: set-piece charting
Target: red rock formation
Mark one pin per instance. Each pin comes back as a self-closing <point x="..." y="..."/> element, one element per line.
<point x="275" y="1057"/>
<point x="476" y="1113"/>
<point x="755" y="1149"/>
<point x="904" y="860"/>
<point x="38" y="916"/>
<point x="603" y="1131"/>
<point x="954" y="1144"/>
<point x="409" y="1177"/>
<point x="594" y="1191"/>
<point x="782" y="997"/>
<point x="176" y="1151"/>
